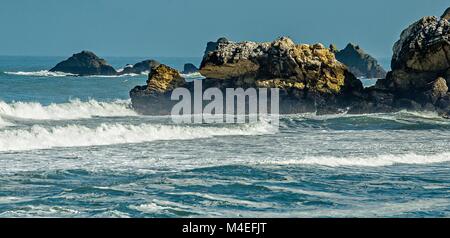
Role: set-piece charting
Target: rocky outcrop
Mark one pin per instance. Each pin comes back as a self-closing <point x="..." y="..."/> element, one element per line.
<point x="420" y="70"/>
<point x="189" y="69"/>
<point x="308" y="76"/>
<point x="212" y="46"/>
<point x="84" y="63"/>
<point x="359" y="62"/>
<point x="139" y="68"/>
<point x="446" y="14"/>
<point x="154" y="98"/>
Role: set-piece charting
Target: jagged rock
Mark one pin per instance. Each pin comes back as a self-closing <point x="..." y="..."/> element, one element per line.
<point x="189" y="69"/>
<point x="212" y="46"/>
<point x="154" y="98"/>
<point x="359" y="62"/>
<point x="84" y="63"/>
<point x="420" y="67"/>
<point x="308" y="76"/>
<point x="446" y="14"/>
<point x="141" y="67"/>
<point x="280" y="63"/>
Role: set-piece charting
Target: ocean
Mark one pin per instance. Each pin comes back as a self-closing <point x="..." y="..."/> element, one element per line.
<point x="74" y="147"/>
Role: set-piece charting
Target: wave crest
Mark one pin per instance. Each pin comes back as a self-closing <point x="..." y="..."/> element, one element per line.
<point x="374" y="161"/>
<point x="38" y="137"/>
<point x="74" y="109"/>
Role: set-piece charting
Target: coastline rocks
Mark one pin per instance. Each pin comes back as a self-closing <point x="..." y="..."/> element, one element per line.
<point x="154" y="98"/>
<point x="309" y="77"/>
<point x="446" y="14"/>
<point x="189" y="68"/>
<point x="359" y="62"/>
<point x="212" y="46"/>
<point x="83" y="64"/>
<point x="420" y="71"/>
<point x="139" y="68"/>
<point x="281" y="63"/>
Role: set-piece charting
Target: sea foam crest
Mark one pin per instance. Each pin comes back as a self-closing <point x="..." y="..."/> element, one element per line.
<point x="74" y="109"/>
<point x="46" y="73"/>
<point x="41" y="73"/>
<point x="39" y="137"/>
<point x="367" y="161"/>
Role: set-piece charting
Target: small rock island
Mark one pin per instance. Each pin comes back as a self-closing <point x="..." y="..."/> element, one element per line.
<point x="361" y="64"/>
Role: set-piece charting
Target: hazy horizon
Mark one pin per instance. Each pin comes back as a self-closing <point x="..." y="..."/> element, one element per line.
<point x="181" y="28"/>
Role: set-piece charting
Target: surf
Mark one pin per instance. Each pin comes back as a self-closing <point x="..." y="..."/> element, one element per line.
<point x="40" y="137"/>
<point x="74" y="109"/>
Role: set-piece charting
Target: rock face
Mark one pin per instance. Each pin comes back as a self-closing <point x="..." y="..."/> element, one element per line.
<point x="420" y="70"/>
<point x="359" y="62"/>
<point x="212" y="46"/>
<point x="189" y="69"/>
<point x="84" y="63"/>
<point x="141" y="67"/>
<point x="154" y="98"/>
<point x="446" y="14"/>
<point x="308" y="76"/>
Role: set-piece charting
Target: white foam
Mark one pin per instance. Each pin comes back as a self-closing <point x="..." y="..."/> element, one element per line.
<point x="38" y="137"/>
<point x="74" y="109"/>
<point x="192" y="76"/>
<point x="46" y="73"/>
<point x="41" y="73"/>
<point x="367" y="161"/>
<point x="4" y="123"/>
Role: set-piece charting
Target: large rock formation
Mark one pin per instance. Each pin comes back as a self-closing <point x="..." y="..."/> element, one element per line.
<point x="446" y="14"/>
<point x="308" y="76"/>
<point x="141" y="67"/>
<point x="359" y="62"/>
<point x="84" y="63"/>
<point x="420" y="70"/>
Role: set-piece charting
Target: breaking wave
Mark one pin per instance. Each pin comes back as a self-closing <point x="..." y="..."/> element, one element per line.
<point x="366" y="161"/>
<point x="74" y="109"/>
<point x="39" y="137"/>
<point x="41" y="73"/>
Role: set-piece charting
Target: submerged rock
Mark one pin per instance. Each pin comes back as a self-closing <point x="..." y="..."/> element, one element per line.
<point x="189" y="69"/>
<point x="141" y="67"/>
<point x="359" y="62"/>
<point x="83" y="64"/>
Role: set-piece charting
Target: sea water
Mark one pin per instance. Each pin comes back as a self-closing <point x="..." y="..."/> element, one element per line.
<point x="74" y="147"/>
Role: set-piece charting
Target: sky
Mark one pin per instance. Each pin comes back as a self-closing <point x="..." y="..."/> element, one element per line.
<point x="169" y="28"/>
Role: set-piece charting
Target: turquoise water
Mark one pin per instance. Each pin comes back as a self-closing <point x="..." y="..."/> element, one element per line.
<point x="73" y="147"/>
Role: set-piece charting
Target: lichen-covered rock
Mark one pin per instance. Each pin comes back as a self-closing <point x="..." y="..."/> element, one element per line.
<point x="359" y="62"/>
<point x="154" y="98"/>
<point x="141" y="67"/>
<point x="163" y="79"/>
<point x="420" y="68"/>
<point x="280" y="63"/>
<point x="83" y="64"/>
